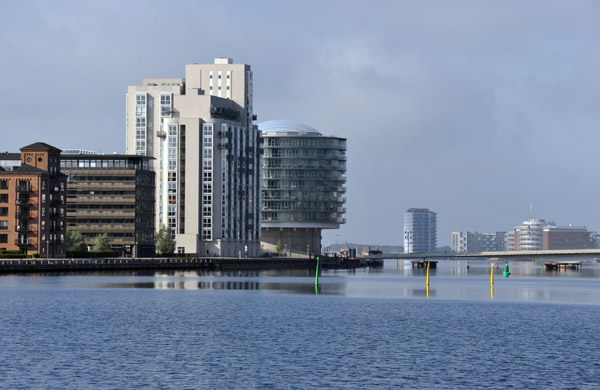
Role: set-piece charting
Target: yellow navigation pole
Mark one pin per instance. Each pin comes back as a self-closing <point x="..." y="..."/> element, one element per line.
<point x="428" y="279"/>
<point x="492" y="282"/>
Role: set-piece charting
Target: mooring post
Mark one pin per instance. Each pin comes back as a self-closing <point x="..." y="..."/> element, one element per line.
<point x="492" y="276"/>
<point x="427" y="274"/>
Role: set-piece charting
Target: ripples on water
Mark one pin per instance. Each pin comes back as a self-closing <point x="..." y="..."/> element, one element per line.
<point x="251" y="329"/>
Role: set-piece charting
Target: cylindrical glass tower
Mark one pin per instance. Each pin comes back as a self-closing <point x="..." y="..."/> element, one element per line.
<point x="303" y="177"/>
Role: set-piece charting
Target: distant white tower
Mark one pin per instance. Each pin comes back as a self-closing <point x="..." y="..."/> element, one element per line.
<point x="420" y="231"/>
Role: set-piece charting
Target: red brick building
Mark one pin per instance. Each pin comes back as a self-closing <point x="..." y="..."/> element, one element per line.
<point x="32" y="203"/>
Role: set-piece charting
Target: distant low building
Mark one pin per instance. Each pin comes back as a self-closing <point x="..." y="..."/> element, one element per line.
<point x="566" y="237"/>
<point x="595" y="239"/>
<point x="463" y="242"/>
<point x="528" y="236"/>
<point x="539" y="234"/>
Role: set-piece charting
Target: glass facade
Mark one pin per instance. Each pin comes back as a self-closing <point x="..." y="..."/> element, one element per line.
<point x="303" y="176"/>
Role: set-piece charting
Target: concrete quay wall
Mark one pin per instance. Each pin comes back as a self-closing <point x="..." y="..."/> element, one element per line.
<point x="70" y="265"/>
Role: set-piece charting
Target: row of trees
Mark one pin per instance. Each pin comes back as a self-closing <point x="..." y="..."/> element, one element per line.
<point x="76" y="242"/>
<point x="165" y="245"/>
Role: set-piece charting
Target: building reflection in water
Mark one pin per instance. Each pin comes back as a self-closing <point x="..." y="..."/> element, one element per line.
<point x="295" y="282"/>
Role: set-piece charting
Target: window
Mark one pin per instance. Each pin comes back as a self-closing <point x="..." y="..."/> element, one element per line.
<point x="165" y="99"/>
<point x="3" y="225"/>
<point x="140" y="99"/>
<point x="3" y="184"/>
<point x="3" y="238"/>
<point x="3" y="211"/>
<point x="3" y="198"/>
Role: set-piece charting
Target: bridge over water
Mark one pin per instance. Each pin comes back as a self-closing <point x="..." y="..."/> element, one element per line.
<point x="563" y="254"/>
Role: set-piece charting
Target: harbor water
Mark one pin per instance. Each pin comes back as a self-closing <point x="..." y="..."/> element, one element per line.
<point x="368" y="328"/>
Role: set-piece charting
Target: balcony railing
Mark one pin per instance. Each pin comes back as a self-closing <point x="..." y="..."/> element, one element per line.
<point x="23" y="215"/>
<point x="23" y="202"/>
<point x="22" y="229"/>
<point x="22" y="241"/>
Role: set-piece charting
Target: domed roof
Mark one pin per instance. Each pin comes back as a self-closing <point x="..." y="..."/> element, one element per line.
<point x="287" y="127"/>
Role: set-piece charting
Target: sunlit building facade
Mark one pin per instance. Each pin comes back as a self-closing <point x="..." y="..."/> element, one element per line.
<point x="200" y="131"/>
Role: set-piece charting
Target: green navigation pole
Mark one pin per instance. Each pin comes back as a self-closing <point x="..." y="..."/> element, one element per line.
<point x="317" y="273"/>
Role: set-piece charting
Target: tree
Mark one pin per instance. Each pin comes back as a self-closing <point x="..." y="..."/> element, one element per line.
<point x="165" y="245"/>
<point x="279" y="246"/>
<point x="75" y="241"/>
<point x="102" y="243"/>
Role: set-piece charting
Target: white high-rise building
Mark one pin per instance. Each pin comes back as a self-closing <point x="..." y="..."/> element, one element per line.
<point x="200" y="130"/>
<point x="420" y="231"/>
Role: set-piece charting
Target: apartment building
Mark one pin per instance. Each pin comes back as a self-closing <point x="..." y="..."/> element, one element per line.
<point x="32" y="201"/>
<point x="303" y="177"/>
<point x="200" y="131"/>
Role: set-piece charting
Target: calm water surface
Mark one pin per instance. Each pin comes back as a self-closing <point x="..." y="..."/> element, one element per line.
<point x="373" y="328"/>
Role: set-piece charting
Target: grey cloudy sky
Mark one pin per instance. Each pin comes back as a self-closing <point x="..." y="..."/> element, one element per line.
<point x="474" y="109"/>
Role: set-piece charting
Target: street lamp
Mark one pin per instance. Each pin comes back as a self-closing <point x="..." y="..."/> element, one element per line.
<point x="308" y="250"/>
